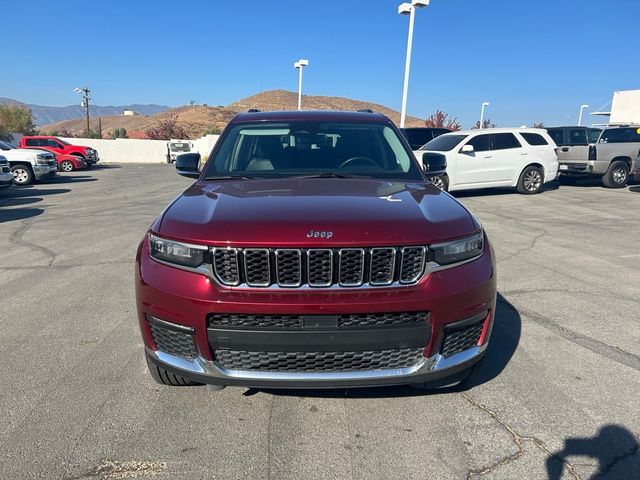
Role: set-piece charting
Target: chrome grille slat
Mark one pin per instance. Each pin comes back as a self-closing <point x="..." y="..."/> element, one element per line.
<point x="289" y="267"/>
<point x="257" y="267"/>
<point x="382" y="265"/>
<point x="346" y="267"/>
<point x="350" y="267"/>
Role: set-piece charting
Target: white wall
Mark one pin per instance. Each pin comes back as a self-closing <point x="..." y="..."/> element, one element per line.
<point x="128" y="150"/>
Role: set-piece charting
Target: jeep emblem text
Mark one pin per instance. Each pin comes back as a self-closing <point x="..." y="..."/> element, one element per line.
<point x="315" y="234"/>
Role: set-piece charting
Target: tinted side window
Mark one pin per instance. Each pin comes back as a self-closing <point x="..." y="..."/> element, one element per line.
<point x="503" y="141"/>
<point x="31" y="142"/>
<point x="594" y="133"/>
<point x="620" y="135"/>
<point x="480" y="143"/>
<point x="51" y="143"/>
<point x="578" y="136"/>
<point x="534" y="139"/>
<point x="557" y="134"/>
<point x="418" y="137"/>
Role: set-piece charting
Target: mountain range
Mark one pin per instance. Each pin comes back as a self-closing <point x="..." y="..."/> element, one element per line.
<point x="43" y="115"/>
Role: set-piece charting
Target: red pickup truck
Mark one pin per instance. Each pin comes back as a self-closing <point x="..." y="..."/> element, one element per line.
<point x="60" y="147"/>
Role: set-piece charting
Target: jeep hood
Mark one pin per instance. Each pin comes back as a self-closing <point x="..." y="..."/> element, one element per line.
<point x="284" y="212"/>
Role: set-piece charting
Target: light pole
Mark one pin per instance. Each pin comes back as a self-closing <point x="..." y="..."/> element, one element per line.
<point x="408" y="9"/>
<point x="84" y="91"/>
<point x="300" y="64"/>
<point x="484" y="105"/>
<point x="582" y="107"/>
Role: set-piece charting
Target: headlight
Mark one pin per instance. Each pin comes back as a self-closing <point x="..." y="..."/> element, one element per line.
<point x="181" y="254"/>
<point x="42" y="159"/>
<point x="458" y="250"/>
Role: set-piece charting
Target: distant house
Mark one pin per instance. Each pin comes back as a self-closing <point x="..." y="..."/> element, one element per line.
<point x="128" y="113"/>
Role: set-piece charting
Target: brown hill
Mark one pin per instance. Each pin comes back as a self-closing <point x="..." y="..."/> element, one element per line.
<point x="198" y="119"/>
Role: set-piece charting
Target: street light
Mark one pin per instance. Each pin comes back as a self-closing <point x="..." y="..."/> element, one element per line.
<point x="408" y="9"/>
<point x="582" y="107"/>
<point x="84" y="91"/>
<point x="484" y="105"/>
<point x="300" y="64"/>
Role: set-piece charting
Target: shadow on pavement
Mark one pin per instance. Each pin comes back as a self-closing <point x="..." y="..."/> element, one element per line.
<point x="635" y="189"/>
<point x="71" y="179"/>
<point x="612" y="444"/>
<point x="104" y="166"/>
<point x="24" y="196"/>
<point x="485" y="192"/>
<point x="505" y="338"/>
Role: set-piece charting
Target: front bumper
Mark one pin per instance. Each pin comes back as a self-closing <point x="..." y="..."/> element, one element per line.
<point x="452" y="297"/>
<point x="6" y="179"/>
<point x="44" y="171"/>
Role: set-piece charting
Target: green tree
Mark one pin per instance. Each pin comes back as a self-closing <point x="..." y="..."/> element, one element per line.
<point x="15" y="119"/>
<point x="119" y="133"/>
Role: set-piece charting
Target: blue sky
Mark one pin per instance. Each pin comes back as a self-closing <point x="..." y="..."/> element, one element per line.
<point x="533" y="60"/>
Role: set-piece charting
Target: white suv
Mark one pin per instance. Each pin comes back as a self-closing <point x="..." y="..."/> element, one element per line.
<point x="524" y="158"/>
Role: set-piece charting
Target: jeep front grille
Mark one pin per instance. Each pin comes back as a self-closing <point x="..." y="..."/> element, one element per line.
<point x="318" y="267"/>
<point x="318" y="361"/>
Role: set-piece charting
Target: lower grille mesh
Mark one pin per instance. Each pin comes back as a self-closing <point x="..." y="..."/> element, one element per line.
<point x="239" y="320"/>
<point x="290" y="322"/>
<point x="318" y="361"/>
<point x="173" y="342"/>
<point x="462" y="338"/>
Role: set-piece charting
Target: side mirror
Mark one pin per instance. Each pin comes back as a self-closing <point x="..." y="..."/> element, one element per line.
<point x="187" y="165"/>
<point x="434" y="164"/>
<point x="467" y="149"/>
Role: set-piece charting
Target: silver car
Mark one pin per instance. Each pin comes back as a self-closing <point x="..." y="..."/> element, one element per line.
<point x="6" y="177"/>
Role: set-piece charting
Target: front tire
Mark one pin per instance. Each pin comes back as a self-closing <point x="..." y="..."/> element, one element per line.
<point x="164" y="377"/>
<point x="531" y="180"/>
<point x="67" y="166"/>
<point x="22" y="175"/>
<point x="442" y="182"/>
<point x="617" y="175"/>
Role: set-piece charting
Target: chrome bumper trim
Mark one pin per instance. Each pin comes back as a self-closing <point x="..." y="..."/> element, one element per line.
<point x="201" y="366"/>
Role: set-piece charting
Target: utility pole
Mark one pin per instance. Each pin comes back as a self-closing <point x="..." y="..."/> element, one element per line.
<point x="84" y="91"/>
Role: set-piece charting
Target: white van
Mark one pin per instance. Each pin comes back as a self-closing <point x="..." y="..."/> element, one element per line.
<point x="524" y="158"/>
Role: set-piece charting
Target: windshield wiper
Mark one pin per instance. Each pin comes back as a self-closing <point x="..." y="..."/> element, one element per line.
<point x="232" y="177"/>
<point x="332" y="175"/>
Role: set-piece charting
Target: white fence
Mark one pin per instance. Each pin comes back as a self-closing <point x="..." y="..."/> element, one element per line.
<point x="128" y="150"/>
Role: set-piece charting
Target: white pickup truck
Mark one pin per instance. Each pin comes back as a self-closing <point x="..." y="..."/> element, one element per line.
<point x="28" y="166"/>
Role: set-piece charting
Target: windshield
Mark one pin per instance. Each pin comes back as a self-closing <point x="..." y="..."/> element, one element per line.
<point x="443" y="143"/>
<point x="268" y="150"/>
<point x="62" y="141"/>
<point x="179" y="147"/>
<point x="6" y="146"/>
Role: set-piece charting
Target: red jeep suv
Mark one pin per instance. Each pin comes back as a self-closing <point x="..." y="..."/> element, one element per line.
<point x="312" y="251"/>
<point x="60" y="147"/>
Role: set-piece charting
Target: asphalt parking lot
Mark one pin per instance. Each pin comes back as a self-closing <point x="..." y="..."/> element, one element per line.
<point x="557" y="397"/>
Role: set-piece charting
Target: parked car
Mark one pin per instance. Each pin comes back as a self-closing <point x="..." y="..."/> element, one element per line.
<point x="58" y="146"/>
<point x="312" y="251"/>
<point x="523" y="158"/>
<point x="610" y="157"/>
<point x="418" y="136"/>
<point x="28" y="166"/>
<point x="6" y="177"/>
<point x="177" y="147"/>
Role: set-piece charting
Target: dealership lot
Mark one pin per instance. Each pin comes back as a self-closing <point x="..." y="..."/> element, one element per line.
<point x="561" y="381"/>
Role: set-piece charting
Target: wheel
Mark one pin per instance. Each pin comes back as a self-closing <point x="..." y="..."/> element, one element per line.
<point x="22" y="175"/>
<point x="531" y="180"/>
<point x="66" y="166"/>
<point x="442" y="182"/>
<point x="617" y="175"/>
<point x="164" y="377"/>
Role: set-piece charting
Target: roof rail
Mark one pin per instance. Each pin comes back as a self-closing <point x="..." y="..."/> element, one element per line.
<point x="254" y="110"/>
<point x="365" y="110"/>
